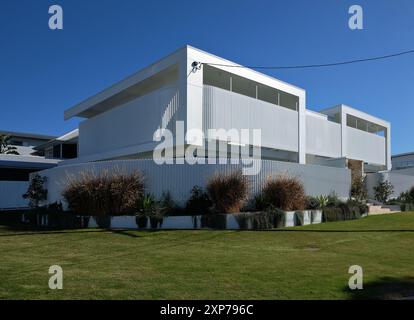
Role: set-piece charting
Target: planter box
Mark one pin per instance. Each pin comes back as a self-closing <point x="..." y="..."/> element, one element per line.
<point x="316" y="216"/>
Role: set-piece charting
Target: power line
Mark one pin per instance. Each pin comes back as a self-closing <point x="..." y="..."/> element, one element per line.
<point x="314" y="65"/>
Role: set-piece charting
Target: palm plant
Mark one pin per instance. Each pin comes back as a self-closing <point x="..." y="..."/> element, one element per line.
<point x="5" y="146"/>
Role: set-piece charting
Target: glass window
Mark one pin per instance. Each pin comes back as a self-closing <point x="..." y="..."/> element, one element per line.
<point x="288" y="100"/>
<point x="243" y="86"/>
<point x="216" y="77"/>
<point x="267" y="94"/>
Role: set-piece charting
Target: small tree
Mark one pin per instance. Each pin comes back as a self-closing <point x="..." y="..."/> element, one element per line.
<point x="5" y="146"/>
<point x="358" y="190"/>
<point x="383" y="191"/>
<point x="411" y="195"/>
<point x="36" y="191"/>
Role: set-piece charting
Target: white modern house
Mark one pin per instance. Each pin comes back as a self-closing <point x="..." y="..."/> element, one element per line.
<point x="121" y="120"/>
<point x="205" y="92"/>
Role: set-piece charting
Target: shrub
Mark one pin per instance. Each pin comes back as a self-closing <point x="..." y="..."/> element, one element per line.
<point x="358" y="190"/>
<point x="404" y="197"/>
<point x="36" y="191"/>
<point x="333" y="200"/>
<point x="259" y="202"/>
<point x="411" y="195"/>
<point x="331" y="214"/>
<point x="407" y="207"/>
<point x="383" y="191"/>
<point x="285" y="193"/>
<point x="312" y="203"/>
<point x="344" y="211"/>
<point x="199" y="202"/>
<point x="227" y="192"/>
<point x="105" y="194"/>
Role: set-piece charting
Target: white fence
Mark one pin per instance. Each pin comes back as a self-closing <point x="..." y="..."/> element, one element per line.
<point x="11" y="194"/>
<point x="179" y="179"/>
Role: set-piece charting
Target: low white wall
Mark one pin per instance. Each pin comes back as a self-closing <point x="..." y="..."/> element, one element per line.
<point x="401" y="182"/>
<point x="179" y="179"/>
<point x="11" y="194"/>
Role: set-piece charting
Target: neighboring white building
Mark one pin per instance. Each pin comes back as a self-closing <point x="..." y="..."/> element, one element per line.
<point x="403" y="163"/>
<point x="121" y="120"/>
<point x="15" y="169"/>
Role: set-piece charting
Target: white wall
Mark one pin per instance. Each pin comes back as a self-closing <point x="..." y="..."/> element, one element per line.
<point x="401" y="182"/>
<point x="323" y="137"/>
<point x="11" y="194"/>
<point x="365" y="146"/>
<point x="133" y="123"/>
<point x="179" y="179"/>
<point x="227" y="110"/>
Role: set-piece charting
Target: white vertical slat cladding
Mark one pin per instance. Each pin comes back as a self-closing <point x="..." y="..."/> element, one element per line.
<point x="133" y="123"/>
<point x="365" y="146"/>
<point x="179" y="179"/>
<point x="223" y="109"/>
<point x="323" y="137"/>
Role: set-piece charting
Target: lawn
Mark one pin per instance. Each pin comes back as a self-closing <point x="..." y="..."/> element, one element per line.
<point x="296" y="263"/>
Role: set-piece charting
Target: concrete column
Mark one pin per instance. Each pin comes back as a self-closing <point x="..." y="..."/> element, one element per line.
<point x="302" y="128"/>
<point x="388" y="147"/>
<point x="343" y="133"/>
<point x="193" y="95"/>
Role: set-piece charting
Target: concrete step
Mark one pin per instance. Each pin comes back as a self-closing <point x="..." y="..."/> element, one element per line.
<point x="382" y="209"/>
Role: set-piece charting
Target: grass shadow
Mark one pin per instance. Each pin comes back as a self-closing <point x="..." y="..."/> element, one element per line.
<point x="386" y="288"/>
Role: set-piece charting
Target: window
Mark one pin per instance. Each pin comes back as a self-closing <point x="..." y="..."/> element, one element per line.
<point x="216" y="77"/>
<point x="243" y="86"/>
<point x="288" y="101"/>
<point x="231" y="82"/>
<point x="364" y="125"/>
<point x="56" y="151"/>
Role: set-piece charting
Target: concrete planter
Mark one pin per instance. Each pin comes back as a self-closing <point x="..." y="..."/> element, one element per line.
<point x="316" y="216"/>
<point x="303" y="217"/>
<point x="290" y="219"/>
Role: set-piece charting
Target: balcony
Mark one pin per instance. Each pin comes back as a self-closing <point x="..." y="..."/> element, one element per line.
<point x="223" y="109"/>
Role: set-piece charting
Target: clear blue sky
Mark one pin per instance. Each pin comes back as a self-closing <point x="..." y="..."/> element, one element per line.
<point x="43" y="72"/>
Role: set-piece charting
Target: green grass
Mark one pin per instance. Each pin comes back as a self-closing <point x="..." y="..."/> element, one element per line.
<point x="297" y="263"/>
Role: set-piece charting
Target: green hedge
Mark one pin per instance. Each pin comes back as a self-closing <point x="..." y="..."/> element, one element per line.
<point x="407" y="207"/>
<point x="343" y="212"/>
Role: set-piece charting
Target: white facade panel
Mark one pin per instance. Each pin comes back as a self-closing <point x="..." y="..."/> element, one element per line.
<point x="323" y="137"/>
<point x="133" y="123"/>
<point x="223" y="109"/>
<point x="365" y="146"/>
<point x="179" y="179"/>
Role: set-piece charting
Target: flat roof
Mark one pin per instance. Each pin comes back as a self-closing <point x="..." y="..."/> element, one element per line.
<point x="358" y="113"/>
<point x="26" y="162"/>
<point x="27" y="135"/>
<point x="82" y="109"/>
<point x="67" y="137"/>
<point x="403" y="154"/>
